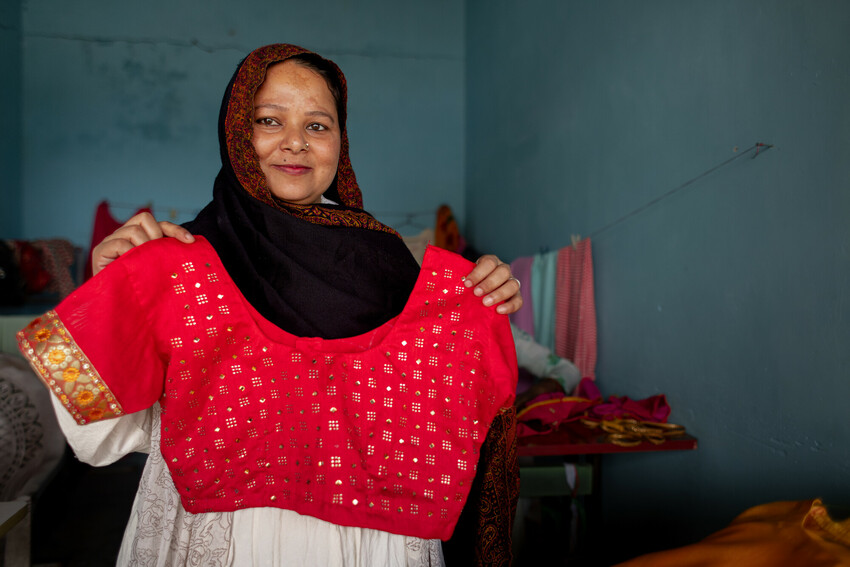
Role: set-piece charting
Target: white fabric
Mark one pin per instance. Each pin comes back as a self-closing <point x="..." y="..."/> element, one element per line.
<point x="542" y="362"/>
<point x="571" y="472"/>
<point x="161" y="533"/>
<point x="103" y="442"/>
<point x="32" y="445"/>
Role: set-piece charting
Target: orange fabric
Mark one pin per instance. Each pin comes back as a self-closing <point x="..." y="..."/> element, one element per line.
<point x="780" y="533"/>
<point x="447" y="234"/>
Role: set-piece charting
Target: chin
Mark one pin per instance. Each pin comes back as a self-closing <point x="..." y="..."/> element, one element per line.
<point x="296" y="199"/>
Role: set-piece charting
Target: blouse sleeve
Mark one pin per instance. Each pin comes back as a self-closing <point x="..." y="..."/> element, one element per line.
<point x="96" y="351"/>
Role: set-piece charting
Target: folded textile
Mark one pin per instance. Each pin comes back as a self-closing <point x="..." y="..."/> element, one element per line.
<point x="653" y="408"/>
<point x="546" y="412"/>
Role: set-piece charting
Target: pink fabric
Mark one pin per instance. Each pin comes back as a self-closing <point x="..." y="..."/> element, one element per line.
<point x="546" y="412"/>
<point x="575" y="308"/>
<point x="524" y="318"/>
<point x="653" y="408"/>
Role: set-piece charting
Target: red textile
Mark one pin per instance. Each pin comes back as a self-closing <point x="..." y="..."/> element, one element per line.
<point x="31" y="264"/>
<point x="575" y="308"/>
<point x="653" y="408"/>
<point x="546" y="412"/>
<point x="382" y="430"/>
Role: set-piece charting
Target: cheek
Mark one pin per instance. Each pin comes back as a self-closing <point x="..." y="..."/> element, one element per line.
<point x="331" y="157"/>
<point x="337" y="149"/>
<point x="261" y="146"/>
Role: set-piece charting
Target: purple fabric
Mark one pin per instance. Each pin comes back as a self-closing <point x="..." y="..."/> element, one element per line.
<point x="654" y="408"/>
<point x="524" y="318"/>
<point x="545" y="412"/>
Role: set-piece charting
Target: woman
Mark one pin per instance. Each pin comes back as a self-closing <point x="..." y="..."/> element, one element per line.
<point x="287" y="226"/>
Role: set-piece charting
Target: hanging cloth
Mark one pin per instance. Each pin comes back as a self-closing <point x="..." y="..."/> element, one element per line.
<point x="543" y="273"/>
<point x="524" y="318"/>
<point x="575" y="308"/>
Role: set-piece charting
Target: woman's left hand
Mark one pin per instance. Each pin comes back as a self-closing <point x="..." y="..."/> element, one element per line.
<point x="494" y="282"/>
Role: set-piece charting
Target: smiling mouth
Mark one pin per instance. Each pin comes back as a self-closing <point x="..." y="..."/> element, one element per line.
<point x="293" y="169"/>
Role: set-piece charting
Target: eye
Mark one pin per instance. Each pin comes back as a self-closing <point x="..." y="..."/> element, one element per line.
<point x="266" y="122"/>
<point x="316" y="127"/>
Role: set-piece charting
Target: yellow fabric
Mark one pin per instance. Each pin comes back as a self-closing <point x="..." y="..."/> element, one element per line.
<point x="776" y="534"/>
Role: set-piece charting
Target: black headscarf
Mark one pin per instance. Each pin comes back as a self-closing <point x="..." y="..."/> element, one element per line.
<point x="318" y="270"/>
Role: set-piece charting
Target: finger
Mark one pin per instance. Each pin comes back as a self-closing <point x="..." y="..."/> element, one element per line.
<point x="148" y="223"/>
<point x="489" y="274"/>
<point x="504" y="292"/>
<point x="512" y="305"/>
<point x="137" y="230"/>
<point x="135" y="234"/>
<point x="497" y="286"/>
<point x="176" y="231"/>
<point x="483" y="267"/>
<point x="107" y="251"/>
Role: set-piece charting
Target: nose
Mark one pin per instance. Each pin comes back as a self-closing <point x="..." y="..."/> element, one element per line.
<point x="293" y="140"/>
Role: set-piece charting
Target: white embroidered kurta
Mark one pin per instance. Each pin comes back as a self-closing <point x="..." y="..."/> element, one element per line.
<point x="161" y="534"/>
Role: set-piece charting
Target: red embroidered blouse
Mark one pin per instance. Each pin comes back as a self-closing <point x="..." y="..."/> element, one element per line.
<point x="381" y="430"/>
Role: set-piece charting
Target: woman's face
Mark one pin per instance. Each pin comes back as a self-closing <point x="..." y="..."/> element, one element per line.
<point x="296" y="133"/>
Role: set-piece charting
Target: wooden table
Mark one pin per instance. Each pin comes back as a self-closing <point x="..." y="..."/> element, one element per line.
<point x="574" y="439"/>
<point x="542" y="459"/>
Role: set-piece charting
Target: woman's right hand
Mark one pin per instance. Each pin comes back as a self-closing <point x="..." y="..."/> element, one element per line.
<point x="138" y="230"/>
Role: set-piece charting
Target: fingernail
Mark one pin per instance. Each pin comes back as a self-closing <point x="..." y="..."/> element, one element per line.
<point x="501" y="309"/>
<point x="467" y="283"/>
<point x="478" y="291"/>
<point x="488" y="301"/>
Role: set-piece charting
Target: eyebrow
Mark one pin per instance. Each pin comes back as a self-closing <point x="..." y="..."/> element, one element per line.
<point x="310" y="113"/>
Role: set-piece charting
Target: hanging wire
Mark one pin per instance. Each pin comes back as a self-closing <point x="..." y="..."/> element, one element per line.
<point x="757" y="147"/>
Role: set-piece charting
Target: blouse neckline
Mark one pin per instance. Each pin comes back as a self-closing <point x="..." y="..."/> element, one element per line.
<point x="357" y="344"/>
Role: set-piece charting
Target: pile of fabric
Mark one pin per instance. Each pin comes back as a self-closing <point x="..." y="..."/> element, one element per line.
<point x="625" y="420"/>
<point x="34" y="269"/>
<point x="779" y="533"/>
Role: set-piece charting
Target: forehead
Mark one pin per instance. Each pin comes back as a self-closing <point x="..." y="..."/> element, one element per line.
<point x="292" y="80"/>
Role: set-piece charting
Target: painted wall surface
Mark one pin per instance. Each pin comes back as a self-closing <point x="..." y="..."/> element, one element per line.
<point x="121" y="101"/>
<point x="10" y="121"/>
<point x="731" y="296"/>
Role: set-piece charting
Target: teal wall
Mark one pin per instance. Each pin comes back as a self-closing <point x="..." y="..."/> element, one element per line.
<point x="534" y="120"/>
<point x="10" y="122"/>
<point x="121" y="101"/>
<point x="731" y="296"/>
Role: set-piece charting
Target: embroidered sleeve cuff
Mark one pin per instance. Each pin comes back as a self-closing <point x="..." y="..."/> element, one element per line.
<point x="67" y="372"/>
